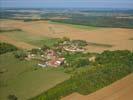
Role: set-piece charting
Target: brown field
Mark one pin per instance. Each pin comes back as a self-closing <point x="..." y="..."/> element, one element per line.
<point x="119" y="38"/>
<point x="120" y="90"/>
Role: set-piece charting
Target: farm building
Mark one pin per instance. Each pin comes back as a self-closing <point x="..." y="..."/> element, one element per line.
<point x="55" y="62"/>
<point x="52" y="63"/>
<point x="51" y="54"/>
<point x="73" y="49"/>
<point x="92" y="59"/>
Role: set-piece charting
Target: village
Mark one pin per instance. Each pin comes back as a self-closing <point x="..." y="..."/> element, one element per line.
<point x="54" y="56"/>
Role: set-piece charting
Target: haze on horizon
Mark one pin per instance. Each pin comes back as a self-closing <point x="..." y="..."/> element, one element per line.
<point x="128" y="4"/>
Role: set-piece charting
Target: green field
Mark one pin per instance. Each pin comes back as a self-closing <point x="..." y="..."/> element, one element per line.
<point x="23" y="36"/>
<point x="24" y="79"/>
<point x="76" y="26"/>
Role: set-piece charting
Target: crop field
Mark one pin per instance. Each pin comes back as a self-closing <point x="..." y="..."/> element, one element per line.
<point x="24" y="79"/>
<point x="34" y="32"/>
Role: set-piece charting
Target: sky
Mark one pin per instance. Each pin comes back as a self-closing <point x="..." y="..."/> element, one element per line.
<point x="67" y="3"/>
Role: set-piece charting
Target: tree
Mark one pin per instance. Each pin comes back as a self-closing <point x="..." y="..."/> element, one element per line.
<point x="36" y="51"/>
<point x="65" y="39"/>
<point x="82" y="62"/>
<point x="20" y="54"/>
<point x="45" y="47"/>
<point x="5" y="47"/>
<point x="12" y="97"/>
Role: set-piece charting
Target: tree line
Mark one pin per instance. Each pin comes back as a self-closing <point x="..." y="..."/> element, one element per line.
<point x="5" y="47"/>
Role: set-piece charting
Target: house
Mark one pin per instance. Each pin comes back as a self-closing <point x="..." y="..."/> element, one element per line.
<point x="30" y="56"/>
<point x="55" y="62"/>
<point x="42" y="65"/>
<point x="52" y="63"/>
<point x="49" y="58"/>
<point x="51" y="54"/>
<point x="73" y="49"/>
<point x="92" y="59"/>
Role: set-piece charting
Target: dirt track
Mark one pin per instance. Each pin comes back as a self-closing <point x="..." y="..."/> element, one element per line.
<point x="120" y="90"/>
<point x="117" y="37"/>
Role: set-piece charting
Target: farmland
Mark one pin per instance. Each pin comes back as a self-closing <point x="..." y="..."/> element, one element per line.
<point x="24" y="79"/>
<point x="35" y="32"/>
<point x="49" y="54"/>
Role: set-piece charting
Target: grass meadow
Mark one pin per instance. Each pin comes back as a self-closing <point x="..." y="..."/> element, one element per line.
<point x="23" y="36"/>
<point x="24" y="79"/>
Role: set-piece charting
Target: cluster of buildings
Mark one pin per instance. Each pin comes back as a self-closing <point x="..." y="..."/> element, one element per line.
<point x="73" y="49"/>
<point x="51" y="58"/>
<point x="48" y="59"/>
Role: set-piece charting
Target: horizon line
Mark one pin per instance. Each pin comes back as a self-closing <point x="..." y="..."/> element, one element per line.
<point x="68" y="8"/>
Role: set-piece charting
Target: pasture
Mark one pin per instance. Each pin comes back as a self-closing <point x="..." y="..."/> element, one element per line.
<point x="24" y="79"/>
<point x="29" y="39"/>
